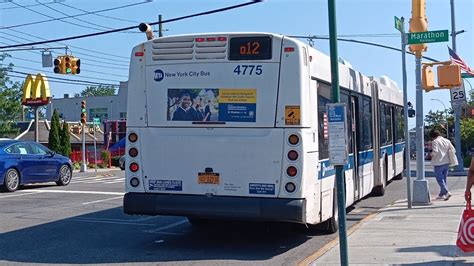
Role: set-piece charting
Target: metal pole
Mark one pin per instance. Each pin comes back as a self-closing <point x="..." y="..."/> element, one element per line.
<point x="457" y="109"/>
<point x="160" y="26"/>
<point x="341" y="198"/>
<point x="84" y="163"/>
<point x="36" y="124"/>
<point x="405" y="113"/>
<point x="95" y="151"/>
<point x="421" y="194"/>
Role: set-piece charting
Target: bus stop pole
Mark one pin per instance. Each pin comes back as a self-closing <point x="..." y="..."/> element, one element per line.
<point x="341" y="199"/>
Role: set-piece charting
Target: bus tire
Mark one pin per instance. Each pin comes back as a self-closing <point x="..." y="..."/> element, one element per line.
<point x="196" y="221"/>
<point x="332" y="224"/>
<point x="398" y="177"/>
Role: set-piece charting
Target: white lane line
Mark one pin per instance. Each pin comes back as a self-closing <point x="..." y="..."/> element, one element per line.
<point x="95" y="180"/>
<point x="19" y="194"/>
<point x="119" y="180"/>
<point x="96" y="201"/>
<point x="109" y="222"/>
<point x="86" y="178"/>
<point x="78" y="192"/>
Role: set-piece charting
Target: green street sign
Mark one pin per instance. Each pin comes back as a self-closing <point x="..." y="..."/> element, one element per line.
<point x="428" y="36"/>
<point x="466" y="76"/>
<point x="96" y="121"/>
<point x="398" y="24"/>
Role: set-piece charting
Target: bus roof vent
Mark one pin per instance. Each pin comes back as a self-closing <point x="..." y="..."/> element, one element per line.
<point x="173" y="48"/>
<point x="189" y="47"/>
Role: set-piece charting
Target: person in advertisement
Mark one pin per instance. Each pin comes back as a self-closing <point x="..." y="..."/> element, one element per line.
<point x="185" y="111"/>
<point x="207" y="111"/>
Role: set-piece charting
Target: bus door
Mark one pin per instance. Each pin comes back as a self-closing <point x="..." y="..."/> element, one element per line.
<point x="354" y="127"/>
<point x="394" y="141"/>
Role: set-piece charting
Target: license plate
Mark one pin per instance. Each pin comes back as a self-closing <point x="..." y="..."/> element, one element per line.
<point x="208" y="178"/>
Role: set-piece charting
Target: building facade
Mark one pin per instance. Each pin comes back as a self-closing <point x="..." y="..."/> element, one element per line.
<point x="104" y="107"/>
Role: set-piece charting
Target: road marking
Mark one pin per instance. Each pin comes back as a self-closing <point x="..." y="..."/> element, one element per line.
<point x="19" y="194"/>
<point x="78" y="192"/>
<point x="109" y="222"/>
<point x="94" y="180"/>
<point x="96" y="201"/>
<point x="313" y="257"/>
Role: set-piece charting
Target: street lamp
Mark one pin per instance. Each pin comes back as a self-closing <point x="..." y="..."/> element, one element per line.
<point x="446" y="115"/>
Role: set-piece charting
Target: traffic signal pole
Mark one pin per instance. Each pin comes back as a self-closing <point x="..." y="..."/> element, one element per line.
<point x="83" y="163"/>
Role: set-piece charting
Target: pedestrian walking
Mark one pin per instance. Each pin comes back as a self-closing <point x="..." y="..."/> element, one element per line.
<point x="440" y="159"/>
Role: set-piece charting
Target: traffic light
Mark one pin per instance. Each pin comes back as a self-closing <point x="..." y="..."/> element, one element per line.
<point x="427" y="78"/>
<point x="68" y="64"/>
<point x="76" y="66"/>
<point x="59" y="65"/>
<point x="449" y="76"/>
<point x="83" y="113"/>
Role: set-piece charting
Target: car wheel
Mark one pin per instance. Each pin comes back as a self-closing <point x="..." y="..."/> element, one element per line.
<point x="65" y="176"/>
<point x="12" y="180"/>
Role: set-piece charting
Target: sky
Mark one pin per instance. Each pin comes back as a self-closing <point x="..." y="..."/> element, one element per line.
<point x="105" y="58"/>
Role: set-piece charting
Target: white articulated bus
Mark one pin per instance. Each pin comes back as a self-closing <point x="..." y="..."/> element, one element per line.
<point x="234" y="126"/>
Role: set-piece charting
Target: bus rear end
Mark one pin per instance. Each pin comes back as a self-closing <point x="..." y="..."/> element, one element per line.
<point x="207" y="128"/>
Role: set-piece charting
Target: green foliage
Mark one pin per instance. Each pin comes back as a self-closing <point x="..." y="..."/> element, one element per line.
<point x="105" y="158"/>
<point x="76" y="165"/>
<point x="467" y="161"/>
<point x="10" y="101"/>
<point x="65" y="140"/>
<point x="467" y="134"/>
<point x="54" y="142"/>
<point x="98" y="91"/>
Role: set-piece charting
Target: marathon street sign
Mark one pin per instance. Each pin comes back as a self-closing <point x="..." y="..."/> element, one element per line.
<point x="466" y="76"/>
<point x="96" y="121"/>
<point x="428" y="36"/>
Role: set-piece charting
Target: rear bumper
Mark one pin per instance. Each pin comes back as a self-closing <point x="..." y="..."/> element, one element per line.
<point x="239" y="208"/>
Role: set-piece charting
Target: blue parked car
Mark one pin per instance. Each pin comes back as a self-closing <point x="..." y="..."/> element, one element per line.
<point x="24" y="162"/>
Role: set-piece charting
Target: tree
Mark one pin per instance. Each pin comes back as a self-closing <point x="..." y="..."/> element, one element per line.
<point x="435" y="120"/>
<point x="467" y="134"/>
<point x="54" y="139"/>
<point x="65" y="140"/>
<point x="10" y="101"/>
<point x="98" y="91"/>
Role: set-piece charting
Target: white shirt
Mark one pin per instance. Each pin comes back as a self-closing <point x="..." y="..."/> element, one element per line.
<point x="440" y="154"/>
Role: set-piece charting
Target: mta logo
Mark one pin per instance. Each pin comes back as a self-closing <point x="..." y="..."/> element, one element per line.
<point x="159" y="75"/>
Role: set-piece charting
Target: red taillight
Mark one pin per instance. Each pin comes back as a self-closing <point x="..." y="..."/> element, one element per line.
<point x="291" y="171"/>
<point x="293" y="139"/>
<point x="133" y="167"/>
<point x="289" y="49"/>
<point x="211" y="39"/>
<point x="199" y="39"/>
<point x="139" y="53"/>
<point x="222" y="39"/>
<point x="133" y="152"/>
<point x="293" y="155"/>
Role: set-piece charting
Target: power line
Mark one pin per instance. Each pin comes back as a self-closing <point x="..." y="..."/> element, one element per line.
<point x="99" y="15"/>
<point x="87" y="70"/>
<point x="65" y="79"/>
<point x="134" y="27"/>
<point x="54" y="18"/>
<point x="66" y="82"/>
<point x="76" y="47"/>
<point x="15" y="7"/>
<point x="88" y="13"/>
<point x="48" y="71"/>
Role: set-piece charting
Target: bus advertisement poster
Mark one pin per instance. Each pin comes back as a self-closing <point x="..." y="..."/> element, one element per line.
<point x="215" y="105"/>
<point x="337" y="131"/>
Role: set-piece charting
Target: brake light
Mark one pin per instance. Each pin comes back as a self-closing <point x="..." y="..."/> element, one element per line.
<point x="199" y="39"/>
<point x="222" y="39"/>
<point x="289" y="49"/>
<point x="133" y="167"/>
<point x="132" y="137"/>
<point x="292" y="155"/>
<point x="211" y="39"/>
<point x="293" y="139"/>
<point x="291" y="171"/>
<point x="139" y="53"/>
<point x="133" y="152"/>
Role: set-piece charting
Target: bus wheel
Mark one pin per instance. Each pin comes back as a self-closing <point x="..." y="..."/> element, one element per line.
<point x="332" y="224"/>
<point x="398" y="177"/>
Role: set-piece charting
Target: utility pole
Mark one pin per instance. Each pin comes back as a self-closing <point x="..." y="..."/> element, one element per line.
<point x="160" y="26"/>
<point x="419" y="23"/>
<point x="341" y="198"/>
<point x="457" y="108"/>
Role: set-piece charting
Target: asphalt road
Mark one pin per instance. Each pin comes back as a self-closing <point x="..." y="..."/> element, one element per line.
<point x="83" y="223"/>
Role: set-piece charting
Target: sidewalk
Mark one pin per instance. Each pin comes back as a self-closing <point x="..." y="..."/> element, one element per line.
<point x="396" y="235"/>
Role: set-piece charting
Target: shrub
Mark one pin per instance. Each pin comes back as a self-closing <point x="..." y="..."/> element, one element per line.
<point x="105" y="158"/>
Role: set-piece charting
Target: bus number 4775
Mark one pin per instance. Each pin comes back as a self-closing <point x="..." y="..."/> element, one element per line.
<point x="248" y="70"/>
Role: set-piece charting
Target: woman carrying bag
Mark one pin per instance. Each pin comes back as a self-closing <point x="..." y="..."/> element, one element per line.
<point x="443" y="155"/>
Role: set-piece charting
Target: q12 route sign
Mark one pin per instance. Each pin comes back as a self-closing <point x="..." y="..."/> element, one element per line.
<point x="337" y="129"/>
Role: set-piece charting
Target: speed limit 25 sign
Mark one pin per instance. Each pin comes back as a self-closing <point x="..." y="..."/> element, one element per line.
<point x="458" y="96"/>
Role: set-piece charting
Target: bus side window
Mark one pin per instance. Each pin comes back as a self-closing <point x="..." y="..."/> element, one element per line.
<point x="324" y="97"/>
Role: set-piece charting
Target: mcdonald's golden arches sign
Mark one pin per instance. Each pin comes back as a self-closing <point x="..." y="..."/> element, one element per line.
<point x="36" y="91"/>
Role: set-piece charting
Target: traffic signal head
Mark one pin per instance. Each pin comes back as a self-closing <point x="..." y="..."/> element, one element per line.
<point x="427" y="78"/>
<point x="59" y="65"/>
<point x="75" y="66"/>
<point x="83" y="113"/>
<point x="67" y="64"/>
<point x="449" y="76"/>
